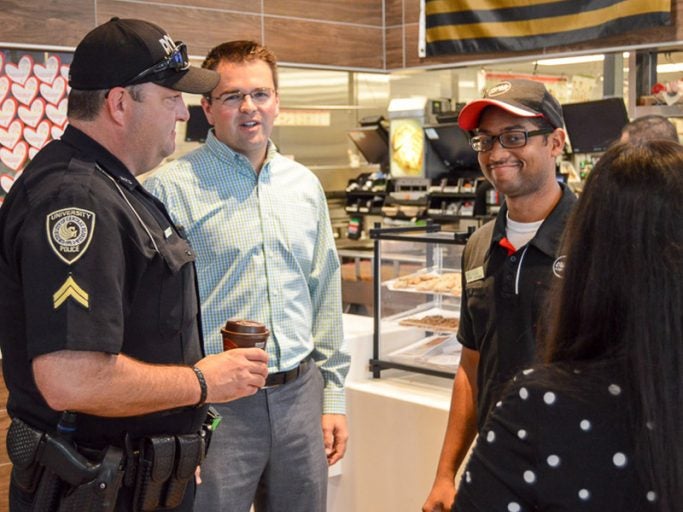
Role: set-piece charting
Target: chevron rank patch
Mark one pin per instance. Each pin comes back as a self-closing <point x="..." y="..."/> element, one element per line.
<point x="70" y="289"/>
<point x="69" y="232"/>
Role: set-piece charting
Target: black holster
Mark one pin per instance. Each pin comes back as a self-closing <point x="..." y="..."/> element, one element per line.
<point x="61" y="479"/>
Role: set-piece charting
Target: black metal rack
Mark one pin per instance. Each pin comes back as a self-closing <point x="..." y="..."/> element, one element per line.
<point x="429" y="234"/>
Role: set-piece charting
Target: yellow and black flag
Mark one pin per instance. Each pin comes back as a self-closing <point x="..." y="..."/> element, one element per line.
<point x="456" y="26"/>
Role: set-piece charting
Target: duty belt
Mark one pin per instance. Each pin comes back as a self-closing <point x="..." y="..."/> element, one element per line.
<point x="63" y="478"/>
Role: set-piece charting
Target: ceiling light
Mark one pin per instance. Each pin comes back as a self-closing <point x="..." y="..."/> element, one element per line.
<point x="563" y="61"/>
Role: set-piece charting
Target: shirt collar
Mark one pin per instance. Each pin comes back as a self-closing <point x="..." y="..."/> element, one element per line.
<point x="548" y="236"/>
<point x="108" y="162"/>
<point x="224" y="153"/>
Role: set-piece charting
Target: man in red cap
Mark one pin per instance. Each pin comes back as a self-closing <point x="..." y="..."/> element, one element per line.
<point x="509" y="263"/>
<point x="101" y="343"/>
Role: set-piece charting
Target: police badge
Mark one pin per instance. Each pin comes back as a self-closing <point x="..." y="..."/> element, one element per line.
<point x="69" y="232"/>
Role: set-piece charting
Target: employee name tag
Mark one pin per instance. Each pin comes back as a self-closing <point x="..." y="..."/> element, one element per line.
<point x="474" y="275"/>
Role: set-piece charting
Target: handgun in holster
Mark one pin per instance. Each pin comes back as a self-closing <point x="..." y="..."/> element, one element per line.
<point x="60" y="478"/>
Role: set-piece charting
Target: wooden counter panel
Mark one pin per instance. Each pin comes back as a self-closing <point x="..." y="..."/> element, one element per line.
<point x="395" y="47"/>
<point x="201" y="29"/>
<point x="45" y="22"/>
<point x="221" y="5"/>
<point x="362" y="12"/>
<point x="393" y="12"/>
<point x="328" y="44"/>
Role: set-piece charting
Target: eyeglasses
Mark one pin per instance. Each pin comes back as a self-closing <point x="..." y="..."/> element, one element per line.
<point x="176" y="61"/>
<point x="508" y="140"/>
<point x="259" y="96"/>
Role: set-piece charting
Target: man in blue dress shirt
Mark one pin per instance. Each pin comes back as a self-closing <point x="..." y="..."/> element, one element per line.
<point x="265" y="251"/>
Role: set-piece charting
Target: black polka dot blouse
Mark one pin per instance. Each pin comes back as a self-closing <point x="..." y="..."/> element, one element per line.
<point x="546" y="450"/>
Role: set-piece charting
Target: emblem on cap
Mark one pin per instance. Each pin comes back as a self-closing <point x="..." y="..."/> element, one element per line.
<point x="69" y="232"/>
<point x="500" y="88"/>
<point x="558" y="266"/>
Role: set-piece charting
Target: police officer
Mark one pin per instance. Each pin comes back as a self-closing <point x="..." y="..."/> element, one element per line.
<point x="509" y="263"/>
<point x="98" y="304"/>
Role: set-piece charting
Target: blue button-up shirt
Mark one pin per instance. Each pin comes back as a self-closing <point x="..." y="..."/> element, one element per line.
<point x="265" y="252"/>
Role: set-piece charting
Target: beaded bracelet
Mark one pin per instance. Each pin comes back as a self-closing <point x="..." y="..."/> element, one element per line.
<point x="202" y="386"/>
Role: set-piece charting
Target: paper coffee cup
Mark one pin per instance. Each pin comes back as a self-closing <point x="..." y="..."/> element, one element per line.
<point x="244" y="334"/>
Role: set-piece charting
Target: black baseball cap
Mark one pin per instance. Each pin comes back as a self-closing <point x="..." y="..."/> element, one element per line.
<point x="520" y="97"/>
<point x="124" y="52"/>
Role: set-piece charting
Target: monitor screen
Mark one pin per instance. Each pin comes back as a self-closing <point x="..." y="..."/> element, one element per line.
<point x="372" y="142"/>
<point x="197" y="125"/>
<point x="451" y="144"/>
<point x="593" y="125"/>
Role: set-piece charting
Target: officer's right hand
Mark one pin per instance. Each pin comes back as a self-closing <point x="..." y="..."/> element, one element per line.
<point x="234" y="373"/>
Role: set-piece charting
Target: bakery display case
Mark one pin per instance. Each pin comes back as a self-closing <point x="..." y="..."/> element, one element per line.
<point x="420" y="305"/>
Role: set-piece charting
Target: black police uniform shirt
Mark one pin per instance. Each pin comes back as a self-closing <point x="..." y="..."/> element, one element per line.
<point x="504" y="296"/>
<point x="90" y="261"/>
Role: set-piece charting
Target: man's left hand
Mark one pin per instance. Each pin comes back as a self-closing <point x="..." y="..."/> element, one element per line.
<point x="335" y="435"/>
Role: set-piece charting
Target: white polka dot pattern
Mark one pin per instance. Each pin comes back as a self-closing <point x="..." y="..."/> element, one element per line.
<point x="619" y="460"/>
<point x="561" y="445"/>
<point x="614" y="389"/>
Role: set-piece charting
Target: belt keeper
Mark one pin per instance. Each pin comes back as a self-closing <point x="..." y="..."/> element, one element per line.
<point x="202" y="386"/>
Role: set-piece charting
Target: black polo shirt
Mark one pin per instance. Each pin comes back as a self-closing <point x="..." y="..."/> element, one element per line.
<point x="90" y="261"/>
<point x="504" y="296"/>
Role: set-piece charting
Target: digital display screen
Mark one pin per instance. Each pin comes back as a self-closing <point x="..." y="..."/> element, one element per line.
<point x="451" y="144"/>
<point x="593" y="125"/>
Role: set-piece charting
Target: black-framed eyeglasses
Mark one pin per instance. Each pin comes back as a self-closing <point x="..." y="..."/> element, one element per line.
<point x="509" y="140"/>
<point x="176" y="61"/>
<point x="259" y="96"/>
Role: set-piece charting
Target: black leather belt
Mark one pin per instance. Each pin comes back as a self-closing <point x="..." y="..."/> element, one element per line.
<point x="277" y="379"/>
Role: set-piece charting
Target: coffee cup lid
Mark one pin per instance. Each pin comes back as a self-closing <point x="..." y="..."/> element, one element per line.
<point x="245" y="326"/>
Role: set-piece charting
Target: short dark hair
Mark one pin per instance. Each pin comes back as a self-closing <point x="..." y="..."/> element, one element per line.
<point x="621" y="297"/>
<point x="650" y="127"/>
<point x="239" y="52"/>
<point x="86" y="105"/>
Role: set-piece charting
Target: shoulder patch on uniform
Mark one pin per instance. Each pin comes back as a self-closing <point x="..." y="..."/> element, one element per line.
<point x="70" y="288"/>
<point x="69" y="232"/>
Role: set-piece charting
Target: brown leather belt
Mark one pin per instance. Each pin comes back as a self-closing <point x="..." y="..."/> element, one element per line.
<point x="277" y="379"/>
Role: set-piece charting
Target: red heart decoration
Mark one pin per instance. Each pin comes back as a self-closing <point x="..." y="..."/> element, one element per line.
<point x="32" y="116"/>
<point x="26" y="93"/>
<point x="64" y="71"/>
<point x="7" y="112"/>
<point x="57" y="114"/>
<point x="6" y="181"/>
<point x="20" y="72"/>
<point x="55" y="92"/>
<point x="39" y="136"/>
<point x="4" y="86"/>
<point x="48" y="72"/>
<point x="32" y="152"/>
<point x="11" y="135"/>
<point x="57" y="131"/>
<point x="14" y="158"/>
